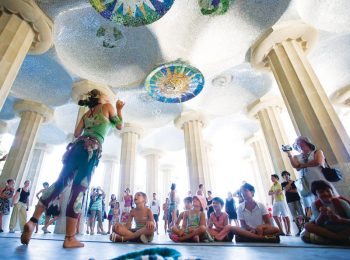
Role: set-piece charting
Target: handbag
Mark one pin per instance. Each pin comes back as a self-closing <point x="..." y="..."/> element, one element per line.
<point x="331" y="174"/>
<point x="302" y="187"/>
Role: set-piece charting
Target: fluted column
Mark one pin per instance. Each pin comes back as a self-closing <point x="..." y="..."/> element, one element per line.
<point x="192" y="123"/>
<point x="34" y="169"/>
<point x="259" y="187"/>
<point x="152" y="157"/>
<point x="267" y="110"/>
<point x="282" y="49"/>
<point x="341" y="100"/>
<point x="208" y="178"/>
<point x="167" y="170"/>
<point x="23" y="28"/>
<point x="32" y="115"/>
<point x="110" y="175"/>
<point x="3" y="129"/>
<point x="263" y="159"/>
<point x="130" y="136"/>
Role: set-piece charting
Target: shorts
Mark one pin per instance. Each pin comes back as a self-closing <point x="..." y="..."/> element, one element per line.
<point x="96" y="214"/>
<point x="307" y="201"/>
<point x="279" y="209"/>
<point x="53" y="211"/>
<point x="155" y="216"/>
<point x="296" y="209"/>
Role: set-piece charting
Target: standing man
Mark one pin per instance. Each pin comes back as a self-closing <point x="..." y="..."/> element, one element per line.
<point x="21" y="207"/>
<point x="155" y="207"/>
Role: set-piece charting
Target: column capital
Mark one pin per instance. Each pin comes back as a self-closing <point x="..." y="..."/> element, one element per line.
<point x="290" y="30"/>
<point x="31" y="106"/>
<point x="190" y="115"/>
<point x="3" y="127"/>
<point x="132" y="128"/>
<point x="81" y="88"/>
<point x="41" y="24"/>
<point x="341" y="97"/>
<point x="110" y="158"/>
<point x="263" y="103"/>
<point x="151" y="151"/>
<point x="256" y="137"/>
<point x="167" y="167"/>
<point x="48" y="148"/>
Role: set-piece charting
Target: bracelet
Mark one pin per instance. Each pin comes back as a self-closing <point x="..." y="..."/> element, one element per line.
<point x="116" y="120"/>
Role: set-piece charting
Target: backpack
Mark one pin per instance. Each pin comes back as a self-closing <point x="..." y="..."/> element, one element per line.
<point x="337" y="204"/>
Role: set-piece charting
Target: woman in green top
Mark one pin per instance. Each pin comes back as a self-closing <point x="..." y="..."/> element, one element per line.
<point x="79" y="161"/>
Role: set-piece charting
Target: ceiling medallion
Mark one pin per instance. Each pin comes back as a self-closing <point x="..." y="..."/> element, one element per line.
<point x="132" y="12"/>
<point x="174" y="82"/>
<point x="213" y="7"/>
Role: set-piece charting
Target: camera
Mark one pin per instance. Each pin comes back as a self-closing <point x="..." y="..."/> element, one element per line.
<point x="92" y="100"/>
<point x="286" y="148"/>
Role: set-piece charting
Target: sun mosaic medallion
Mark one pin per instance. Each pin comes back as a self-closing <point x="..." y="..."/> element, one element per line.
<point x="132" y="12"/>
<point x="174" y="82"/>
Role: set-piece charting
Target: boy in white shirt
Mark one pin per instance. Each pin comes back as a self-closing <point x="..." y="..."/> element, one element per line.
<point x="155" y="207"/>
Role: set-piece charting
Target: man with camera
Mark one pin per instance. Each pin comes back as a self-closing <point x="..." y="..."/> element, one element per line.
<point x="96" y="210"/>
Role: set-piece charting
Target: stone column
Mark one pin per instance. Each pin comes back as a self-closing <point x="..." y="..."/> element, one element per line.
<point x="282" y="48"/>
<point x="3" y="129"/>
<point x="167" y="170"/>
<point x="110" y="175"/>
<point x="33" y="172"/>
<point x="24" y="28"/>
<point x="263" y="160"/>
<point x="152" y="157"/>
<point x="341" y="99"/>
<point x="130" y="136"/>
<point x="192" y="123"/>
<point x="32" y="115"/>
<point x="267" y="110"/>
<point x="208" y="178"/>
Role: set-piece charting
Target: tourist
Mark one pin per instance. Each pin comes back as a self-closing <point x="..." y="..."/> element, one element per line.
<point x="194" y="223"/>
<point x="79" y="162"/>
<point x="116" y="214"/>
<point x="112" y="204"/>
<point x="217" y="222"/>
<point x="230" y="209"/>
<point x="331" y="217"/>
<point x="254" y="218"/>
<point x="144" y="221"/>
<point x="155" y="207"/>
<point x="172" y="211"/>
<point x="177" y="229"/>
<point x="97" y="211"/>
<point x="279" y="209"/>
<point x="20" y="207"/>
<point x="308" y="163"/>
<point x="54" y="211"/>
<point x="209" y="204"/>
<point x="165" y="214"/>
<point x="127" y="199"/>
<point x="45" y="187"/>
<point x="293" y="201"/>
<point x="6" y="193"/>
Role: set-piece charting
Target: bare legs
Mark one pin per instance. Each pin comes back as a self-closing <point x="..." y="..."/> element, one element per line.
<point x="70" y="241"/>
<point x="30" y="225"/>
<point x="323" y="232"/>
<point x="122" y="234"/>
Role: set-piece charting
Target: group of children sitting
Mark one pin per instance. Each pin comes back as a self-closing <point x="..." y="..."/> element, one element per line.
<point x="331" y="222"/>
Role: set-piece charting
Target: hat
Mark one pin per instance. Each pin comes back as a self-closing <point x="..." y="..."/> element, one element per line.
<point x="202" y="200"/>
<point x="305" y="140"/>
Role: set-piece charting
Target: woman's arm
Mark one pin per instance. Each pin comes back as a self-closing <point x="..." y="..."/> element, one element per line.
<point x="115" y="118"/>
<point x="15" y="198"/>
<point x="37" y="195"/>
<point x="293" y="160"/>
<point x="202" y="219"/>
<point x="79" y="129"/>
<point x="130" y="217"/>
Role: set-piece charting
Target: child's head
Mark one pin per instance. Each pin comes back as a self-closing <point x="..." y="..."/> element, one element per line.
<point x="218" y="203"/>
<point x="247" y="191"/>
<point x="113" y="197"/>
<point x="166" y="200"/>
<point x="209" y="193"/>
<point x="154" y="195"/>
<point x="127" y="191"/>
<point x="10" y="182"/>
<point x="173" y="186"/>
<point x="198" y="202"/>
<point x="140" y="198"/>
<point x="188" y="203"/>
<point x="285" y="175"/>
<point x="322" y="190"/>
<point x="117" y="205"/>
<point x="46" y="185"/>
<point x="274" y="178"/>
<point x="229" y="195"/>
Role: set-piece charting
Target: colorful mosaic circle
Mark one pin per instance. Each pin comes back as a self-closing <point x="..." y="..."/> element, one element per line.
<point x="132" y="12"/>
<point x="174" y="82"/>
<point x="213" y="7"/>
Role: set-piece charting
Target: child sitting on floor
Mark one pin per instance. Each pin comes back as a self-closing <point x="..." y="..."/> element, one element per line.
<point x="176" y="229"/>
<point x="144" y="223"/>
<point x="331" y="217"/>
<point x="194" y="224"/>
<point x="218" y="220"/>
<point x="254" y="220"/>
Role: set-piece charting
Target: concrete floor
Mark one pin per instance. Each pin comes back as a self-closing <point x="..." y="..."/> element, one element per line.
<point x="49" y="246"/>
